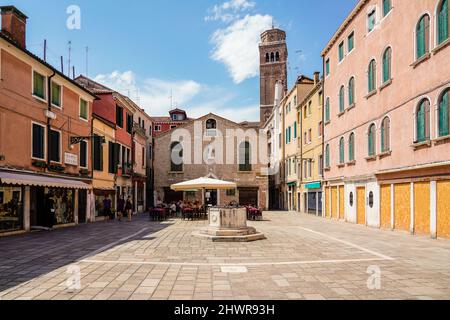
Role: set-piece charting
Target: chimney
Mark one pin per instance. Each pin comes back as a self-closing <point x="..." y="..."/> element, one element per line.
<point x="316" y="78"/>
<point x="14" y="24"/>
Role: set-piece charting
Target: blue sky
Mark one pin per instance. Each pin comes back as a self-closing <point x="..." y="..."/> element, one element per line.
<point x="202" y="50"/>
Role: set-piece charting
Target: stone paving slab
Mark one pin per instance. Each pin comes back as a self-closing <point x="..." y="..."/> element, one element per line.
<point x="303" y="257"/>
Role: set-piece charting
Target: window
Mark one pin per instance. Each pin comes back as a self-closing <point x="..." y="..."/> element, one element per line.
<point x="129" y="123"/>
<point x="327" y="67"/>
<point x="176" y="158"/>
<point x="295" y="100"/>
<point x="150" y="151"/>
<point x="351" y="92"/>
<point x="371" y="20"/>
<point x="310" y="108"/>
<point x="371" y="199"/>
<point x="231" y="193"/>
<point x="98" y="153"/>
<point x="341" y="151"/>
<point x="38" y="148"/>
<point x="295" y="130"/>
<point x="351" y="41"/>
<point x="371" y="77"/>
<point x="351" y="199"/>
<point x="290" y="134"/>
<point x="277" y="56"/>
<point x="423" y="36"/>
<point x="423" y="121"/>
<point x="56" y="95"/>
<point x="119" y="116"/>
<point x="341" y="51"/>
<point x="319" y="132"/>
<point x="342" y="100"/>
<point x="387" y="57"/>
<point x="327" y="156"/>
<point x="443" y="21"/>
<point x="38" y="85"/>
<point x="55" y="146"/>
<point x="83" y="109"/>
<point x="157" y="128"/>
<point x="267" y="57"/>
<point x="310" y="135"/>
<point x="143" y="157"/>
<point x="320" y="165"/>
<point x="386" y="7"/>
<point x="244" y="157"/>
<point x="272" y="57"/>
<point x="113" y="155"/>
<point x="443" y="114"/>
<point x="351" y="147"/>
<point x="386" y="135"/>
<point x="327" y="110"/>
<point x="211" y="128"/>
<point x="372" y="140"/>
<point x="83" y="154"/>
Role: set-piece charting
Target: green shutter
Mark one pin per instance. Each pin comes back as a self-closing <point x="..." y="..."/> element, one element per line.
<point x="371" y="142"/>
<point x="56" y="94"/>
<point x="350" y="92"/>
<point x="351" y="148"/>
<point x="295" y="130"/>
<point x="421" y="38"/>
<point x="383" y="135"/>
<point x="370" y="77"/>
<point x="386" y="7"/>
<point x="443" y="22"/>
<point x="327" y="110"/>
<point x="38" y="85"/>
<point x="327" y="156"/>
<point x="386" y="66"/>
<point x="421" y="123"/>
<point x="341" y="100"/>
<point x="83" y="109"/>
<point x="444" y="116"/>
<point x="341" y="151"/>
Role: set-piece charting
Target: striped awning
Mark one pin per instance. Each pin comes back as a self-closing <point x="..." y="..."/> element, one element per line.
<point x="36" y="180"/>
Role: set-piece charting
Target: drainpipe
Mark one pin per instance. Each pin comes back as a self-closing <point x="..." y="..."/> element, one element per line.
<point x="49" y="108"/>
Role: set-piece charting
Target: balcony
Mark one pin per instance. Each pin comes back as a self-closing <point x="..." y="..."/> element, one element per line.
<point x="137" y="129"/>
<point x="127" y="170"/>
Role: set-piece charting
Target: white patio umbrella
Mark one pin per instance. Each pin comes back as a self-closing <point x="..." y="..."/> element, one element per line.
<point x="203" y="184"/>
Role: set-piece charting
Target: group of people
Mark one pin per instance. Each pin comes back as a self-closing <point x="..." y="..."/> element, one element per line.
<point x="124" y="207"/>
<point x="177" y="207"/>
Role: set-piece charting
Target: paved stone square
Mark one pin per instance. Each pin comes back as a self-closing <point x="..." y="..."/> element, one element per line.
<point x="303" y="257"/>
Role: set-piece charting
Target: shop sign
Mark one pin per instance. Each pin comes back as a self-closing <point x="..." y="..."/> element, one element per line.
<point x="71" y="159"/>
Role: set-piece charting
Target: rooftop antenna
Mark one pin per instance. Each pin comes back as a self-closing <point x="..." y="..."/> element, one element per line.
<point x="70" y="50"/>
<point x="171" y="98"/>
<point x="87" y="61"/>
<point x="45" y="50"/>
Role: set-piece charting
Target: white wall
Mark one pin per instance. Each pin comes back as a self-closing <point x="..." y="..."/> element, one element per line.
<point x="350" y="211"/>
<point x="373" y="214"/>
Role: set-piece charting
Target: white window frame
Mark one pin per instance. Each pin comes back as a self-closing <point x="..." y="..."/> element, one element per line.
<point x="87" y="155"/>
<point x="60" y="146"/>
<point x="45" y="141"/>
<point x="157" y="128"/>
<point x="87" y="110"/>
<point x="45" y="85"/>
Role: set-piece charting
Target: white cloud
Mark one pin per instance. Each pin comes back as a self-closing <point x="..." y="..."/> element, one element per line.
<point x="197" y="99"/>
<point x="229" y="11"/>
<point x="237" y="46"/>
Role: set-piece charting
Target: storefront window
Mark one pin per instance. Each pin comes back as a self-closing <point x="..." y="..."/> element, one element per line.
<point x="11" y="209"/>
<point x="64" y="205"/>
<point x="99" y="198"/>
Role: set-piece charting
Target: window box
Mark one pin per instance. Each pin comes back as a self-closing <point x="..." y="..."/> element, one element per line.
<point x="386" y="84"/>
<point x="371" y="158"/>
<point x="351" y="163"/>
<point x="423" y="144"/>
<point x="420" y="60"/>
<point x="372" y="93"/>
<point x="384" y="154"/>
<point x="441" y="46"/>
<point x="341" y="165"/>
<point x="39" y="164"/>
<point x="56" y="167"/>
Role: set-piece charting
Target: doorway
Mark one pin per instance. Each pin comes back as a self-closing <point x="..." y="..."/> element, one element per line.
<point x="82" y="206"/>
<point x="248" y="196"/>
<point x="211" y="198"/>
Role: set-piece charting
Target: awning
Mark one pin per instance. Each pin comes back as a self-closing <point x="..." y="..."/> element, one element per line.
<point x="41" y="181"/>
<point x="313" y="185"/>
<point x="292" y="184"/>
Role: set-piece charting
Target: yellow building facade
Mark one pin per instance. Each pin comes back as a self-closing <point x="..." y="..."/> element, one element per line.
<point x="310" y="149"/>
<point x="104" y="183"/>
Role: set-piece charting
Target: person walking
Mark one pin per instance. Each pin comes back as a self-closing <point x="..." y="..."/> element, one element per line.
<point x="129" y="208"/>
<point x="120" y="207"/>
<point x="107" y="208"/>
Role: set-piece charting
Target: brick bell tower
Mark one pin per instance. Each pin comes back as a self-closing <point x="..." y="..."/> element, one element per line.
<point x="273" y="55"/>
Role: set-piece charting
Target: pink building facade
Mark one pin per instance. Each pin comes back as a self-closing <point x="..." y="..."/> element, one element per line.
<point x="386" y="115"/>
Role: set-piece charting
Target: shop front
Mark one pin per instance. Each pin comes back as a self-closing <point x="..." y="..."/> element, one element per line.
<point x="139" y="194"/>
<point x="32" y="201"/>
<point x="100" y="196"/>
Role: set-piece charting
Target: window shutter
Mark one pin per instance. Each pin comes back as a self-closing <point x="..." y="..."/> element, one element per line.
<point x="444" y="115"/>
<point x="341" y="151"/>
<point x="443" y="22"/>
<point x="350" y="92"/>
<point x="341" y="100"/>
<point x="371" y="142"/>
<point x="83" y="154"/>
<point x="54" y="146"/>
<point x="421" y="123"/>
<point x="351" y="146"/>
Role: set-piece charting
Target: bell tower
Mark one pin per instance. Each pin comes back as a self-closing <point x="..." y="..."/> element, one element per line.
<point x="273" y="55"/>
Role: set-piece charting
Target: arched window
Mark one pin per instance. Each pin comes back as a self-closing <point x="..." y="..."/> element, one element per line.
<point x="277" y="56"/>
<point x="371" y="77"/>
<point x="351" y="147"/>
<point x="387" y="57"/>
<point x="245" y="156"/>
<point x="176" y="157"/>
<point x="342" y="100"/>
<point x="372" y="140"/>
<point x="327" y="110"/>
<point x="386" y="135"/>
<point x="443" y="114"/>
<point x="272" y="57"/>
<point x="423" y="121"/>
<point x="351" y="91"/>
<point x="211" y="124"/>
<point x="267" y="57"/>
<point x="443" y="21"/>
<point x="387" y="6"/>
<point x="327" y="156"/>
<point x="423" y="36"/>
<point x="341" y="151"/>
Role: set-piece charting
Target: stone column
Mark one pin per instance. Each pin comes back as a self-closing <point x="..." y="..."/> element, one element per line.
<point x="26" y="209"/>
<point x="75" y="207"/>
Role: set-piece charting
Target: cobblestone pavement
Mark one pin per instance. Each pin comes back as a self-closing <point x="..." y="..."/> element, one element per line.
<point x="304" y="257"/>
